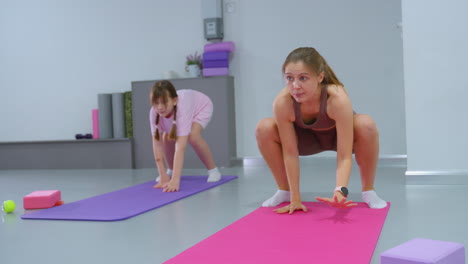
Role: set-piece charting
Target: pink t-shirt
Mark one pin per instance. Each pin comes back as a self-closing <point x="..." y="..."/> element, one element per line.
<point x="192" y="106"/>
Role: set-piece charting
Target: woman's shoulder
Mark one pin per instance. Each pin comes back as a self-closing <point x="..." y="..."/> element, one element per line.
<point x="334" y="90"/>
<point x="283" y="106"/>
<point x="338" y="99"/>
<point x="282" y="99"/>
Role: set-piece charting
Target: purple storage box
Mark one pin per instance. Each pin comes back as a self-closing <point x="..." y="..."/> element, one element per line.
<point x="425" y="251"/>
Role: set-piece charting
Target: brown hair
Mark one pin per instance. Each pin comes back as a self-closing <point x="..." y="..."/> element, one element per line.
<point x="163" y="90"/>
<point x="314" y="61"/>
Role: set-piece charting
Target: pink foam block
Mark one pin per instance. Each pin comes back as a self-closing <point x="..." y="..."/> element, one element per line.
<point x="41" y="199"/>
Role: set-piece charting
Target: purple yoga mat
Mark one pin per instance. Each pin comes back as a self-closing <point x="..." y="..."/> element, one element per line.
<point x="125" y="203"/>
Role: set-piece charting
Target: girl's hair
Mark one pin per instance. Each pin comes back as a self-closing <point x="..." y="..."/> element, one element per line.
<point x="314" y="61"/>
<point x="162" y="90"/>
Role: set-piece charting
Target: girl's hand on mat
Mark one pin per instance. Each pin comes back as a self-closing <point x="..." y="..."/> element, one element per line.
<point x="293" y="206"/>
<point x="162" y="182"/>
<point x="335" y="202"/>
<point x="171" y="186"/>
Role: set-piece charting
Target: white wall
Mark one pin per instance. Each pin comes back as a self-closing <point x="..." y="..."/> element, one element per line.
<point x="435" y="37"/>
<point x="56" y="56"/>
<point x="359" y="39"/>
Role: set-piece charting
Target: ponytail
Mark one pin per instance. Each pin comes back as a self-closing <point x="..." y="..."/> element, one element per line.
<point x="173" y="134"/>
<point x="330" y="76"/>
<point x="156" y="133"/>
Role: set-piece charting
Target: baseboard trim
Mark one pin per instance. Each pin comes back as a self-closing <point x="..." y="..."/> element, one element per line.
<point x="453" y="177"/>
<point x="384" y="160"/>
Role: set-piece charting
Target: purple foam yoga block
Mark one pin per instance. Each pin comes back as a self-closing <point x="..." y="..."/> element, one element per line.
<point x="220" y="46"/>
<point x="215" y="55"/>
<point x="216" y="64"/>
<point x="425" y="251"/>
<point x="215" y="71"/>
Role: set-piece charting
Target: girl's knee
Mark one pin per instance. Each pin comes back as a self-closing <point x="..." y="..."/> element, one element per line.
<point x="194" y="138"/>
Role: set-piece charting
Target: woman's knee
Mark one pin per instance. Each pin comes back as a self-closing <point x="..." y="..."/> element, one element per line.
<point x="265" y="128"/>
<point x="365" y="126"/>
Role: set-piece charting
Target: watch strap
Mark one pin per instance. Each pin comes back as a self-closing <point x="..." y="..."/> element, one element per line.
<point x="343" y="190"/>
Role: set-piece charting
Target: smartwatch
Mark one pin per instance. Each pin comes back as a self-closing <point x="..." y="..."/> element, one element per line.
<point x="343" y="190"/>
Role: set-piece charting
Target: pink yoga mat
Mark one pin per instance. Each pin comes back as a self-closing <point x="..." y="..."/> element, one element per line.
<point x="95" y="115"/>
<point x="322" y="235"/>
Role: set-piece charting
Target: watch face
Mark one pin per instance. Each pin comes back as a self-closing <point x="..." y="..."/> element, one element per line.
<point x="344" y="190"/>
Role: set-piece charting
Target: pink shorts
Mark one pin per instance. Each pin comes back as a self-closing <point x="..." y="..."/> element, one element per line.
<point x="204" y="116"/>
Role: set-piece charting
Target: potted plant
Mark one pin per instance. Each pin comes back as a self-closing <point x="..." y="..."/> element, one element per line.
<point x="193" y="64"/>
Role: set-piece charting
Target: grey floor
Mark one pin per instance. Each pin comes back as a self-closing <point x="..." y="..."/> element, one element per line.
<point x="426" y="211"/>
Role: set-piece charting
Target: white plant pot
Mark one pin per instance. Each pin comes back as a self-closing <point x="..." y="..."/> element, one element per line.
<point x="193" y="70"/>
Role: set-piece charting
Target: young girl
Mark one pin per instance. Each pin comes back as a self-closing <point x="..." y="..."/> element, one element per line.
<point x="313" y="113"/>
<point x="178" y="117"/>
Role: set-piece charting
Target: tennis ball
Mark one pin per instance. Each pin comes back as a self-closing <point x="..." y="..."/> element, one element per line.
<point x="9" y="206"/>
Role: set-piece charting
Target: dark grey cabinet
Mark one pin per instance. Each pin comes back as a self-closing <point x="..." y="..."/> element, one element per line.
<point x="67" y="154"/>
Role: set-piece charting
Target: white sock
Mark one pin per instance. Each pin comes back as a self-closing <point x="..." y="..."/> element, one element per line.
<point x="169" y="173"/>
<point x="214" y="175"/>
<point x="280" y="196"/>
<point x="373" y="200"/>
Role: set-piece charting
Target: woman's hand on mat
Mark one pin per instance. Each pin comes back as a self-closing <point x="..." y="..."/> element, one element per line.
<point x="338" y="201"/>
<point x="171" y="186"/>
<point x="293" y="206"/>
